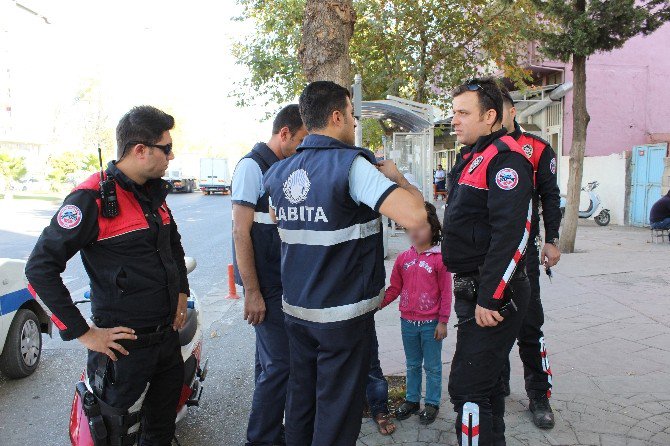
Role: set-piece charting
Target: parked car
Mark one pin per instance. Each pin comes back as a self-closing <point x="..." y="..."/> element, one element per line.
<point x="23" y="319"/>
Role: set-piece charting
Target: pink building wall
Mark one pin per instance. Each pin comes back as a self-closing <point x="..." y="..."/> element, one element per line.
<point x="628" y="96"/>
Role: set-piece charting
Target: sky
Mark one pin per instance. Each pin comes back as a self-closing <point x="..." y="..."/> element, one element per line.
<point x="175" y="55"/>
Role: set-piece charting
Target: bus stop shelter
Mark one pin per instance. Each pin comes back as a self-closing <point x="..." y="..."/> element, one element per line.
<point x="412" y="148"/>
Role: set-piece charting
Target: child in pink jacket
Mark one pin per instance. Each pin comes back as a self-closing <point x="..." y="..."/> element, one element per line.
<point x="424" y="286"/>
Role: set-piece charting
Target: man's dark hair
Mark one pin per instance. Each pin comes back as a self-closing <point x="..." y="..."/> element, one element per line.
<point x="435" y="225"/>
<point x="142" y="124"/>
<point x="488" y="92"/>
<point x="507" y="97"/>
<point x="288" y="116"/>
<point x="319" y="100"/>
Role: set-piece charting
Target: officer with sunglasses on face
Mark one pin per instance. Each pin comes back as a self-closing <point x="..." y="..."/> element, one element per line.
<point x="486" y="227"/>
<point x="135" y="261"/>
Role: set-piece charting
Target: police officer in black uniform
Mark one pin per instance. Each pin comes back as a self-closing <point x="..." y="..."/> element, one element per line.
<point x="532" y="347"/>
<point x="328" y="200"/>
<point x="486" y="229"/>
<point x="257" y="261"/>
<point x="135" y="262"/>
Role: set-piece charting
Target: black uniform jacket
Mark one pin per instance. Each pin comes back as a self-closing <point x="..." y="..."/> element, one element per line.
<point x="135" y="261"/>
<point x="487" y="219"/>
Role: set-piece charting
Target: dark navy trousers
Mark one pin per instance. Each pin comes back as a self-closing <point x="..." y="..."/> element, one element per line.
<point x="377" y="388"/>
<point x="532" y="350"/>
<point x="326" y="392"/>
<point x="272" y="372"/>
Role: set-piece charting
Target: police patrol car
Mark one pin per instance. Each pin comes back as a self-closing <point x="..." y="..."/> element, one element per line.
<point x="23" y="319"/>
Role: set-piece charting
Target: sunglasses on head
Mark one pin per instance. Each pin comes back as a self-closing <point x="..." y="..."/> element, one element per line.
<point x="166" y="148"/>
<point x="474" y="86"/>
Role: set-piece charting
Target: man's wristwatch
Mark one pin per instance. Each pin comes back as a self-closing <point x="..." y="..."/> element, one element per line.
<point x="553" y="241"/>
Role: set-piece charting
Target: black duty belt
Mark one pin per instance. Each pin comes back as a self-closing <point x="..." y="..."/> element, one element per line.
<point x="147" y="336"/>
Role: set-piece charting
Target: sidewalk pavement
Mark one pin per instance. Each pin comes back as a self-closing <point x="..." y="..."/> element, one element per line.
<point x="607" y="331"/>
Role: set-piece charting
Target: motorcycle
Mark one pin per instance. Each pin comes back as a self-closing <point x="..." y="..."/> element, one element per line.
<point x="190" y="339"/>
<point x="602" y="218"/>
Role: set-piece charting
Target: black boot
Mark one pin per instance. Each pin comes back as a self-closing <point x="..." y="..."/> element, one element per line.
<point x="406" y="410"/>
<point x="428" y="414"/>
<point x="543" y="416"/>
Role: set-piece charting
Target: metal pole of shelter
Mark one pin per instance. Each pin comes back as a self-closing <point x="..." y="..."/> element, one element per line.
<point x="357" y="99"/>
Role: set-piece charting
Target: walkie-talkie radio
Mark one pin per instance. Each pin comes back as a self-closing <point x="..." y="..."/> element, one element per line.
<point x="109" y="204"/>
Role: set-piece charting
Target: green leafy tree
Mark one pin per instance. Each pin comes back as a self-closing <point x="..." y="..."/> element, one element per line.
<point x="414" y="49"/>
<point x="66" y="165"/>
<point x="582" y="29"/>
<point x="12" y="168"/>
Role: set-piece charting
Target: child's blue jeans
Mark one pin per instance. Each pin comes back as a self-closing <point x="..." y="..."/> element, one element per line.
<point x="421" y="348"/>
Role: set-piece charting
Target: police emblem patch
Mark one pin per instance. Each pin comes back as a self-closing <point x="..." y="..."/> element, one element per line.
<point x="528" y="149"/>
<point x="507" y="178"/>
<point x="475" y="163"/>
<point x="552" y="166"/>
<point x="69" y="216"/>
<point x="297" y="186"/>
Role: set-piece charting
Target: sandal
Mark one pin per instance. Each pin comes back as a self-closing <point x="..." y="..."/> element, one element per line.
<point x="406" y="410"/>
<point x="384" y="424"/>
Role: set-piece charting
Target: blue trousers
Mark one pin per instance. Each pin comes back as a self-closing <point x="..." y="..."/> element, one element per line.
<point x="421" y="349"/>
<point x="326" y="388"/>
<point x="272" y="371"/>
<point x="377" y="388"/>
<point x="663" y="224"/>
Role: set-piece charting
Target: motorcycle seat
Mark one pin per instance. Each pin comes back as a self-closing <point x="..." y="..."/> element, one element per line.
<point x="188" y="331"/>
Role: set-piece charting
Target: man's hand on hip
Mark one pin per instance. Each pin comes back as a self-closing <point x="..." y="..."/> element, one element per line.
<point x="180" y="315"/>
<point x="254" y="307"/>
<point x="550" y="255"/>
<point x="103" y="340"/>
<point x="486" y="317"/>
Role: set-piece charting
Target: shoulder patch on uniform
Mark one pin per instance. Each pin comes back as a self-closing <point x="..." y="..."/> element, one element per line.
<point x="507" y="178"/>
<point x="536" y="138"/>
<point x="69" y="216"/>
<point x="297" y="186"/>
<point x="528" y="150"/>
<point x="552" y="166"/>
<point x="477" y="161"/>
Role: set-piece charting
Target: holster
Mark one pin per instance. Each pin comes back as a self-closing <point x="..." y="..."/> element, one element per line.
<point x="466" y="286"/>
<point x="109" y="425"/>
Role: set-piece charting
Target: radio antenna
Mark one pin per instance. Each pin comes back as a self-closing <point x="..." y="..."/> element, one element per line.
<point x="102" y="175"/>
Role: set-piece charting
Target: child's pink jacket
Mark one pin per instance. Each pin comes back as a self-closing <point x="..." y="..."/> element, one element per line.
<point x="423" y="284"/>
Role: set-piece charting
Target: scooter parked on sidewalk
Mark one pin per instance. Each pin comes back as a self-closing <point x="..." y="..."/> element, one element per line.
<point x="190" y="339"/>
<point x="602" y="218"/>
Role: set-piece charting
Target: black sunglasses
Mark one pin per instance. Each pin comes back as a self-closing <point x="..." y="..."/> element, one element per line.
<point x="473" y="86"/>
<point x="166" y="148"/>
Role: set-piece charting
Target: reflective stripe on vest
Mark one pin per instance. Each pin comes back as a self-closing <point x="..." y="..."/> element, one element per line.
<point x="330" y="238"/>
<point x="334" y="314"/>
<point x="263" y="218"/>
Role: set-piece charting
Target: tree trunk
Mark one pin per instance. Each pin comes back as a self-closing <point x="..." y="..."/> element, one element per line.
<point x="580" y="122"/>
<point x="326" y="32"/>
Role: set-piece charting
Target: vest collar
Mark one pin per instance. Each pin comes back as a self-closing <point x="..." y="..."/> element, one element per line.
<point x="315" y="141"/>
<point x="266" y="153"/>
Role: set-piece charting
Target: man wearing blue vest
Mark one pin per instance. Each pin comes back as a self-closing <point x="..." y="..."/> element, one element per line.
<point x="256" y="257"/>
<point x="327" y="201"/>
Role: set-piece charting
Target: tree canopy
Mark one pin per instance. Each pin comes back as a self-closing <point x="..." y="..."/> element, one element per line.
<point x="414" y="49"/>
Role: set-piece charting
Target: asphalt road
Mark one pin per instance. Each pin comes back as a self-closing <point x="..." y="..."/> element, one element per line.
<point x="36" y="409"/>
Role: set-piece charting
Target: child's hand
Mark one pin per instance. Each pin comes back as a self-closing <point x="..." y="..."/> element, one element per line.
<point x="440" y="331"/>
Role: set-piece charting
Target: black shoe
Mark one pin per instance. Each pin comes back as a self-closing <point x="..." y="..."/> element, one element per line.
<point x="543" y="416"/>
<point x="506" y="389"/>
<point x="406" y="410"/>
<point x="428" y="414"/>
